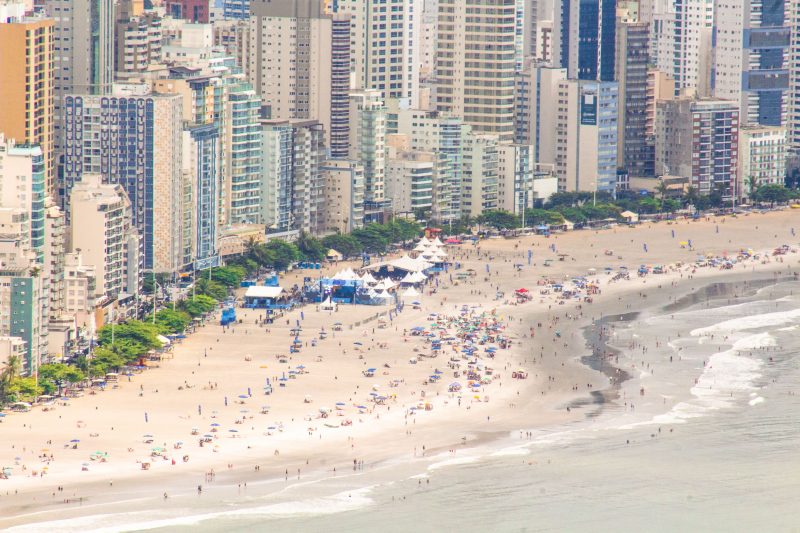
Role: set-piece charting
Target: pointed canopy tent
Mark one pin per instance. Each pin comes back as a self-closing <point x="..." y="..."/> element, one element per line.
<point x="411" y="291"/>
<point x="408" y="279"/>
<point x="436" y="242"/>
<point x="418" y="277"/>
<point x="368" y="278"/>
<point x="424" y="241"/>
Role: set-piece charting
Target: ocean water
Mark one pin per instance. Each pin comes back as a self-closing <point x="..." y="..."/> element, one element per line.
<point x="704" y="436"/>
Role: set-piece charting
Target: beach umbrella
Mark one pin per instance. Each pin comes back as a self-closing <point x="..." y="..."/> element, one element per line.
<point x="358" y="344"/>
<point x="233" y="431"/>
<point x="243" y="396"/>
<point x="340" y="404"/>
<point x="75" y="440"/>
<point x="214" y="425"/>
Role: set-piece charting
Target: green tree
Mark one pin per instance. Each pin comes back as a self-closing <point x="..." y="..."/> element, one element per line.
<point x="372" y="238"/>
<point x="542" y="216"/>
<point x="9" y="373"/>
<point x="53" y="376"/>
<point x="282" y="254"/>
<point x="347" y="245"/>
<point x="104" y="361"/>
<point x="230" y="276"/>
<point x="23" y="389"/>
<point x="199" y="305"/>
<point x="311" y="248"/>
<point x="499" y="219"/>
<point x="172" y="321"/>
<point x="212" y="289"/>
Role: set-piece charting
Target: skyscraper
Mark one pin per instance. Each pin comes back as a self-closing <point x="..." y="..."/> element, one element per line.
<point x="634" y="153"/>
<point x="84" y="51"/>
<point x="26" y="90"/>
<point x="289" y="60"/>
<point x="586" y="136"/>
<point x="386" y="36"/>
<point x="475" y="60"/>
<point x="584" y="38"/>
<point x="681" y="43"/>
<point x="133" y="140"/>
<point x="751" y="59"/>
<point x="368" y="146"/>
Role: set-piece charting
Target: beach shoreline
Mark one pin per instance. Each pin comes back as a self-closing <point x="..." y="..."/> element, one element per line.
<point x="550" y="405"/>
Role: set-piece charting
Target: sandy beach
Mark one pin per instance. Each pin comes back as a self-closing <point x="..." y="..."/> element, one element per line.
<point x="214" y="381"/>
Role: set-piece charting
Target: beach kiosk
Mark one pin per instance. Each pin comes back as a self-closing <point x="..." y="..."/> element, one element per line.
<point x="262" y="297"/>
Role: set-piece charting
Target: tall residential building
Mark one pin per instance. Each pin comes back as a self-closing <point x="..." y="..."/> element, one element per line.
<point x="241" y="153"/>
<point x="475" y="61"/>
<point x="344" y="195"/>
<point x="698" y="139"/>
<point x="289" y="59"/>
<point x="479" y="178"/>
<point x="428" y="131"/>
<point x="634" y="153"/>
<point x="368" y="146"/>
<point x="55" y="240"/>
<point x="793" y="120"/>
<point x="26" y="84"/>
<point x="543" y="115"/>
<point x="137" y="41"/>
<point x="293" y="183"/>
<point x="100" y="229"/>
<point x="515" y="170"/>
<point x="133" y="140"/>
<point x="762" y="157"/>
<point x="84" y="52"/>
<point x="584" y="38"/>
<point x="751" y="58"/>
<point x="22" y="186"/>
<point x="660" y="86"/>
<point x="236" y="9"/>
<point x="411" y="180"/>
<point x="681" y="43"/>
<point x="385" y="38"/>
<point x="341" y="54"/>
<point x="196" y="11"/>
<point x="277" y="175"/>
<point x="23" y="292"/>
<point x="586" y="136"/>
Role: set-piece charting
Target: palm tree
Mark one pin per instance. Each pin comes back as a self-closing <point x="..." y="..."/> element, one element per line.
<point x="8" y="374"/>
<point x="751" y="184"/>
<point x="662" y="191"/>
<point x="691" y="195"/>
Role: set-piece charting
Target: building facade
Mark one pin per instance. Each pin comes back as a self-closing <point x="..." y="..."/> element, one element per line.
<point x="475" y="62"/>
<point x="140" y="148"/>
<point x="586" y="136"/>
<point x="27" y="89"/>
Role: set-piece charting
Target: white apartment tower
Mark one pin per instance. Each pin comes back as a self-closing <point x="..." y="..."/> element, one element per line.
<point x="475" y="62"/>
<point x="288" y="59"/>
<point x="386" y="37"/>
<point x="681" y="43"/>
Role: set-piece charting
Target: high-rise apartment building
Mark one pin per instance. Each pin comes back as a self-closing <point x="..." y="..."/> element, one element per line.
<point x="634" y="153"/>
<point x="134" y="140"/>
<point x="368" y="146"/>
<point x="101" y="227"/>
<point x="344" y="195"/>
<point x="26" y="85"/>
<point x="584" y="38"/>
<point x="681" y="43"/>
<point x="543" y="115"/>
<point x="197" y="11"/>
<point x="137" y="41"/>
<point x="428" y="131"/>
<point x="289" y="59"/>
<point x="385" y="39"/>
<point x="762" y="157"/>
<point x="793" y="120"/>
<point x="475" y="61"/>
<point x="698" y="139"/>
<point x="83" y="52"/>
<point x="341" y="54"/>
<point x="293" y="183"/>
<point x="751" y="58"/>
<point x="479" y="174"/>
<point x="22" y="186"/>
<point x="586" y="136"/>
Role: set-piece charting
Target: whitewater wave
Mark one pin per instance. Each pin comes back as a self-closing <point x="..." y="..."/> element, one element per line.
<point x="108" y="523"/>
<point x="764" y="320"/>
